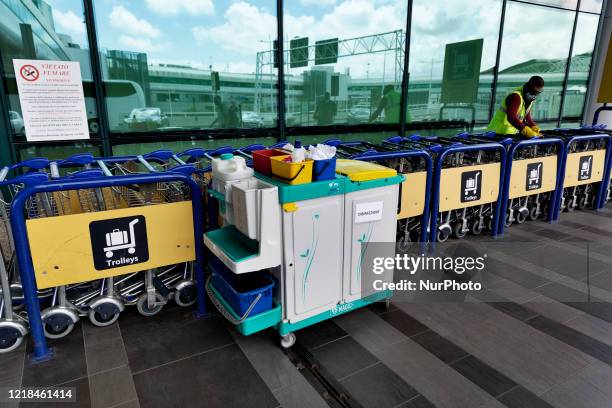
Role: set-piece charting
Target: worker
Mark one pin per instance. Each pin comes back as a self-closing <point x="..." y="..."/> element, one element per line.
<point x="514" y="116"/>
<point x="390" y="103"/>
<point x="325" y="110"/>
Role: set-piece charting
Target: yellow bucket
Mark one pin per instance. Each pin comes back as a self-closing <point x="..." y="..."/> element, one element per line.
<point x="291" y="173"/>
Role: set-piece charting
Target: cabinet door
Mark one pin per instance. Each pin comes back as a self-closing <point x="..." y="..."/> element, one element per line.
<point x="365" y="236"/>
<point x="316" y="233"/>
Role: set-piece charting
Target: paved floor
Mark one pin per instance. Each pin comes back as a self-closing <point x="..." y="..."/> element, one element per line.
<point x="545" y="340"/>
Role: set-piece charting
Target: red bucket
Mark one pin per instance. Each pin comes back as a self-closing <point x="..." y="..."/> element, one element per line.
<point x="261" y="160"/>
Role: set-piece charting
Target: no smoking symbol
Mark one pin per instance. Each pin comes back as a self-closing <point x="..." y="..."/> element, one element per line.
<point x="29" y="73"/>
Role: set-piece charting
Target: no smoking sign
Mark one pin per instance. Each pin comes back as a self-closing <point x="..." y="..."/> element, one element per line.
<point x="29" y="73"/>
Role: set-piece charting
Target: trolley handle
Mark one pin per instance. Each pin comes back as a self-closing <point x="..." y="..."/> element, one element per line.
<point x="54" y="169"/>
<point x="4" y="172"/>
<point x="145" y="163"/>
<point x="224" y="312"/>
<point x="104" y="168"/>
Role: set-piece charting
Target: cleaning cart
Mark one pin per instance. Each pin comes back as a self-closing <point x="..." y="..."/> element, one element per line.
<point x="308" y="240"/>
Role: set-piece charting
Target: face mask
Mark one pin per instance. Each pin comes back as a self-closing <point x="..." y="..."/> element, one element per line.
<point x="529" y="96"/>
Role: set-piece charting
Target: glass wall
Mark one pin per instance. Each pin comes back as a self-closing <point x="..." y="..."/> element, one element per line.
<point x="344" y="61"/>
<point x="188" y="65"/>
<point x="208" y="71"/>
<point x="35" y="30"/>
<point x="437" y="28"/>
<point x="580" y="66"/>
<point x="536" y="41"/>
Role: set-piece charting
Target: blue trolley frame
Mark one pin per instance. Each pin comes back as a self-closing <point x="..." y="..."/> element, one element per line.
<point x="26" y="269"/>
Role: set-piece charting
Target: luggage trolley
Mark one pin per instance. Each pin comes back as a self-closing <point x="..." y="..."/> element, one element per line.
<point x="150" y="290"/>
<point x="168" y="232"/>
<point x="601" y="129"/>
<point x="468" y="176"/>
<point x="414" y="193"/>
<point x="585" y="169"/>
<point x="533" y="168"/>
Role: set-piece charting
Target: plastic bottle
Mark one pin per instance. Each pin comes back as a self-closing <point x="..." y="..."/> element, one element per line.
<point x="229" y="168"/>
<point x="299" y="153"/>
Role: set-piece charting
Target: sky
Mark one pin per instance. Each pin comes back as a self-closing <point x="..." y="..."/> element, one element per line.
<point x="227" y="34"/>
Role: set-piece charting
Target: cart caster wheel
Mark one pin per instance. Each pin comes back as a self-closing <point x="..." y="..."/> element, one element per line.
<point x="582" y="203"/>
<point x="490" y="224"/>
<point x="11" y="337"/>
<point x="103" y="316"/>
<point x="533" y="213"/>
<point x="143" y="306"/>
<point x="57" y="326"/>
<point x="458" y="231"/>
<point x="403" y="243"/>
<point x="571" y="206"/>
<point x="288" y="340"/>
<point x="507" y="221"/>
<point x="58" y="321"/>
<point x="442" y="235"/>
<point x="545" y="208"/>
<point x="521" y="217"/>
<point x="477" y="227"/>
<point x="186" y="294"/>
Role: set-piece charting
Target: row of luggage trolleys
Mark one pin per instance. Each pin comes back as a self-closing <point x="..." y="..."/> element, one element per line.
<point x="471" y="183"/>
<point x="467" y="184"/>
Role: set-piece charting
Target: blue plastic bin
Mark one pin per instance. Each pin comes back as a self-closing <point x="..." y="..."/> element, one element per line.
<point x="240" y="290"/>
<point x="324" y="169"/>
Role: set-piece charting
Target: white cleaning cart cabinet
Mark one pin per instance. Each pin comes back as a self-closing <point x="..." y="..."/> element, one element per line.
<point x="323" y="230"/>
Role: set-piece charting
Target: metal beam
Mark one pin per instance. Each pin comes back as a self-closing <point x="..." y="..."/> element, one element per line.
<point x="98" y="80"/>
<point x="568" y="65"/>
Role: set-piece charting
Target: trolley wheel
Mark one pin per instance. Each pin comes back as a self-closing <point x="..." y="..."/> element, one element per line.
<point x="582" y="203"/>
<point x="521" y="217"/>
<point x="403" y="242"/>
<point x="533" y="213"/>
<point x="57" y="325"/>
<point x="545" y="209"/>
<point x="186" y="296"/>
<point x="143" y="306"/>
<point x="442" y="235"/>
<point x="458" y="230"/>
<point x="490" y="223"/>
<point x="571" y="206"/>
<point x="104" y="315"/>
<point x="477" y="227"/>
<point x="507" y="221"/>
<point x="288" y="340"/>
<point x="10" y="338"/>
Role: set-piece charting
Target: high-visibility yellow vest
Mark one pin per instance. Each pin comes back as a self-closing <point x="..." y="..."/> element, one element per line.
<point x="500" y="124"/>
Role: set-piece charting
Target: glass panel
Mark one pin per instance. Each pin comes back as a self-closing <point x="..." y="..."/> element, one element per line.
<point x="344" y="61"/>
<point x="57" y="152"/>
<point x="568" y="4"/>
<point x="374" y="137"/>
<point x="582" y="54"/>
<point x="37" y="30"/>
<point x="437" y="23"/>
<point x="180" y="146"/>
<point x="594" y="6"/>
<point x="188" y="64"/>
<point x="523" y="54"/>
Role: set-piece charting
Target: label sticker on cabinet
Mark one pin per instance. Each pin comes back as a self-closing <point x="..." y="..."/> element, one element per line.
<point x="366" y="212"/>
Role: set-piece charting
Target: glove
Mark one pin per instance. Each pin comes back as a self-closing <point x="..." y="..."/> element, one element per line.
<point x="536" y="129"/>
<point x="528" y="132"/>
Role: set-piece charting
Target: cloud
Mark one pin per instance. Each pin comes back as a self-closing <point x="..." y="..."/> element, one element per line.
<point x="128" y="23"/>
<point x="191" y="7"/>
<point x="246" y="29"/>
<point x="320" y="3"/>
<point x="142" y="44"/>
<point x="69" y="23"/>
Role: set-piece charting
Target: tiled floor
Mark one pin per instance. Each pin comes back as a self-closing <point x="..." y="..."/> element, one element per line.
<point x="543" y="339"/>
